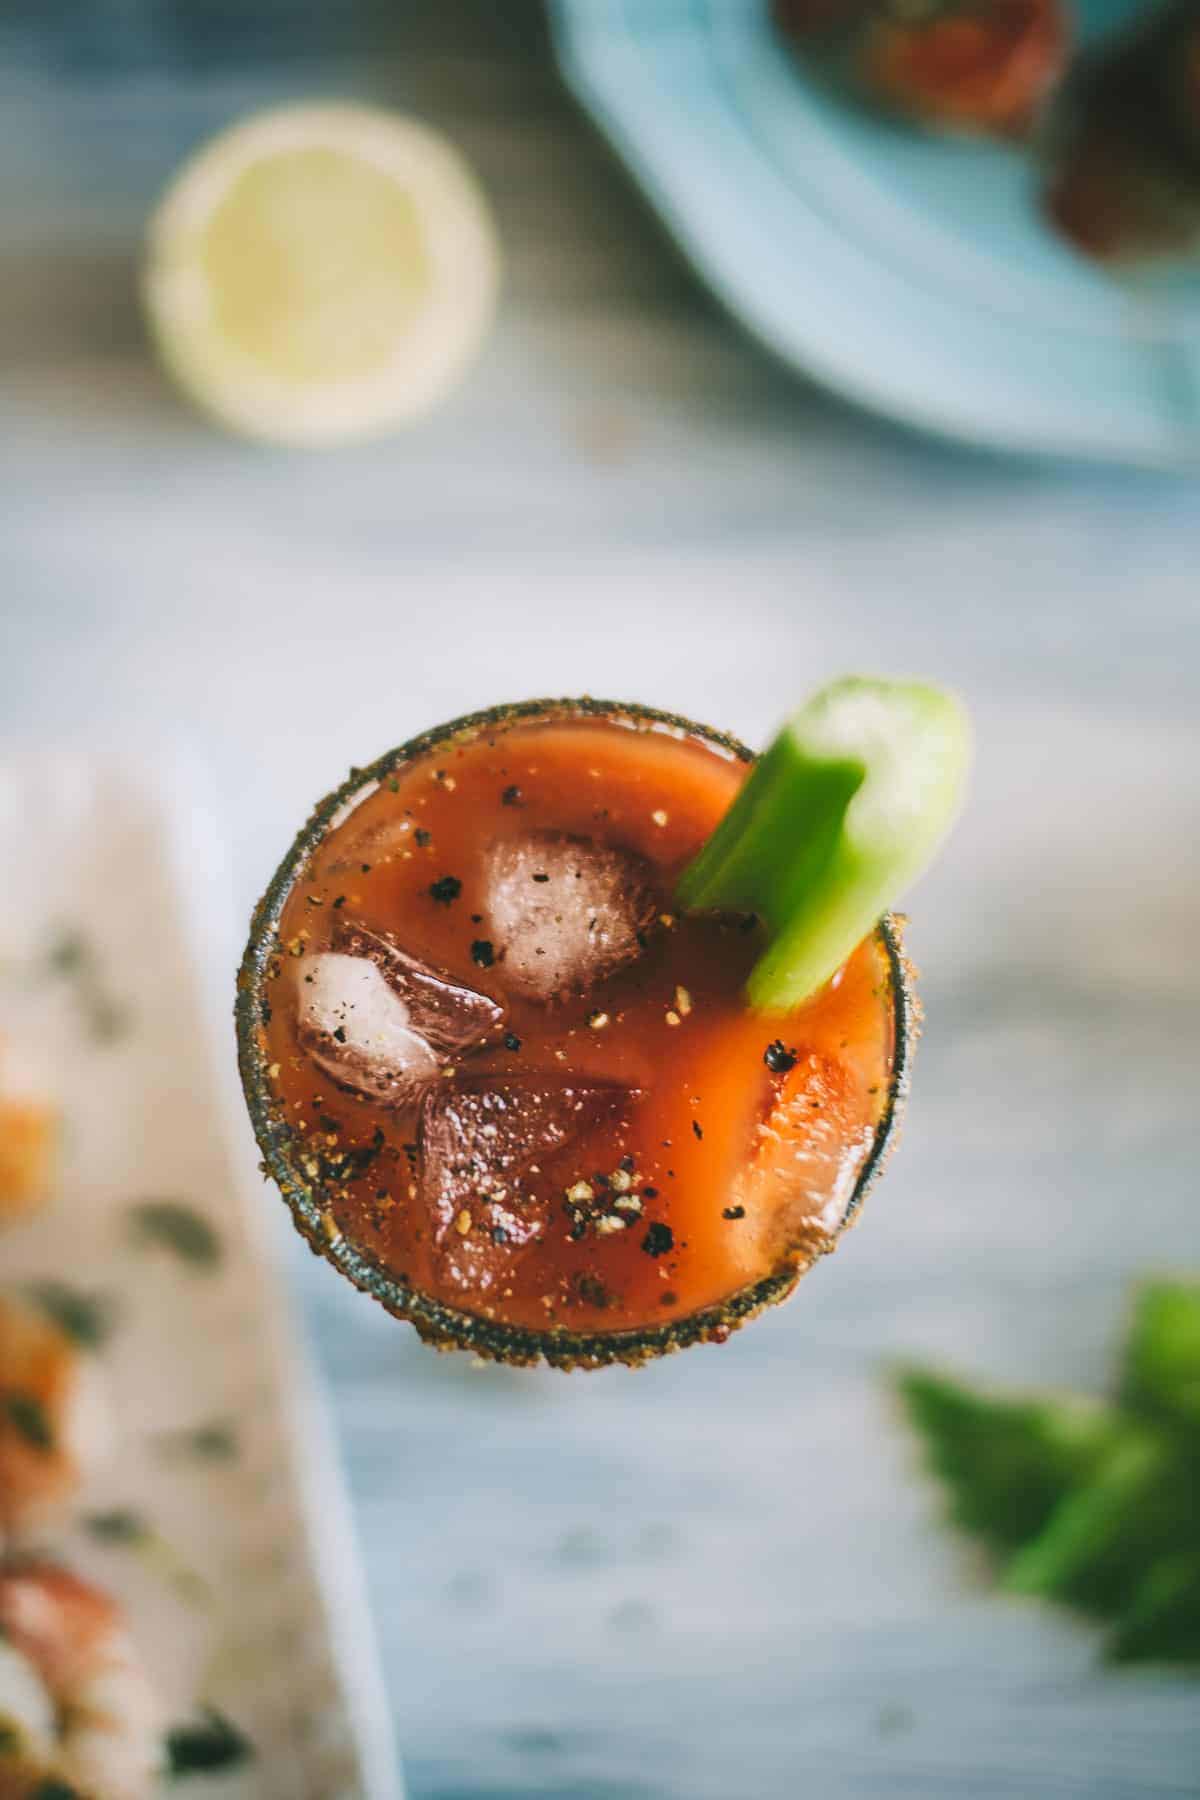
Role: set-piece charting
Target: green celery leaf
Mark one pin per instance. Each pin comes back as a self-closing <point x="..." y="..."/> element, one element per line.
<point x="1161" y="1373"/>
<point x="1102" y="1542"/>
<point x="1007" y="1463"/>
<point x="1163" y="1621"/>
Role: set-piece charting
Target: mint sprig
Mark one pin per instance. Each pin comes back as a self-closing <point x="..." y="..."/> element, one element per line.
<point x="1090" y="1504"/>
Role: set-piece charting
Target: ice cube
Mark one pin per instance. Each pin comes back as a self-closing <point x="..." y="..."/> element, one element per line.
<point x="565" y="912"/>
<point x="359" y="1031"/>
<point x="449" y="1016"/>
<point x="480" y="1139"/>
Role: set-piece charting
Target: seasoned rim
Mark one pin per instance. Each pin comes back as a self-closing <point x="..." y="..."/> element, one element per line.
<point x="445" y="1326"/>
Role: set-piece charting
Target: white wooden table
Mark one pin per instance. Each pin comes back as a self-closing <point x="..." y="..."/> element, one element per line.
<point x="720" y="1578"/>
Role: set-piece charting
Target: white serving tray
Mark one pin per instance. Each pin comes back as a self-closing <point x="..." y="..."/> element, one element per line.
<point x="242" y="1581"/>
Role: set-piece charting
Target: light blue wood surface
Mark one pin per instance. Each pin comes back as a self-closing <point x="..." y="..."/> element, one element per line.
<point x="723" y="1576"/>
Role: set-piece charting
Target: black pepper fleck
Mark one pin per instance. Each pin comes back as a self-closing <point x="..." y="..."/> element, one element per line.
<point x="696" y="1128"/>
<point x="423" y="837"/>
<point x="541" y="878"/>
<point x="778" y="1059"/>
<point x="340" y="1034"/>
<point x="650" y="1193"/>
<point x="340" y="901"/>
<point x="511" y="796"/>
<point x="512" y="1041"/>
<point x="445" y="889"/>
<point x="658" y="1240"/>
<point x="734" y="1212"/>
<point x="482" y="953"/>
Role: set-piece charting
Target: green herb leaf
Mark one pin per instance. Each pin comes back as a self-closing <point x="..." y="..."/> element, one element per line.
<point x="1161" y="1374"/>
<point x="86" y="1318"/>
<point x="1008" y="1464"/>
<point x="1097" y="1507"/>
<point x="212" y="1742"/>
<point x="1163" y="1621"/>
<point x="54" y="1789"/>
<point x="1102" y="1543"/>
<point x="28" y="1416"/>
<point x="177" y="1228"/>
<point x="843" y="811"/>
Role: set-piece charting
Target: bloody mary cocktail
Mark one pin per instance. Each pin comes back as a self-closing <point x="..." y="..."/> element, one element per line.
<point x="511" y="1088"/>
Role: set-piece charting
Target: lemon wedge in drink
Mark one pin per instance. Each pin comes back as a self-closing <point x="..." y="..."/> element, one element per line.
<point x="321" y="273"/>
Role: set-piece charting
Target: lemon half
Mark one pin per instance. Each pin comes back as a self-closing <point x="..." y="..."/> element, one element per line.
<point x="321" y="273"/>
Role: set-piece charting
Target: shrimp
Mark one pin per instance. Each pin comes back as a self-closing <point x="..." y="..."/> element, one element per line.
<point x="27" y="1148"/>
<point x="54" y="1425"/>
<point x="78" y="1713"/>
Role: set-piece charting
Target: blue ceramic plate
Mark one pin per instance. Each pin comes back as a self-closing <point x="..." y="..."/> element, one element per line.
<point x="910" y="272"/>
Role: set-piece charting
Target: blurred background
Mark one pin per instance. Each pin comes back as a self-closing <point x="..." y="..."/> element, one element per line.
<point x="725" y="1574"/>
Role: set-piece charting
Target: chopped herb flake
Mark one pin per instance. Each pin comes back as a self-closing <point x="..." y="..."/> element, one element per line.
<point x="211" y="1743"/>
<point x="483" y="953"/>
<point x="86" y="1318"/>
<point x="179" y="1228"/>
<point x="216" y="1441"/>
<point x="28" y="1417"/>
<point x="118" y="1527"/>
<point x="445" y="889"/>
